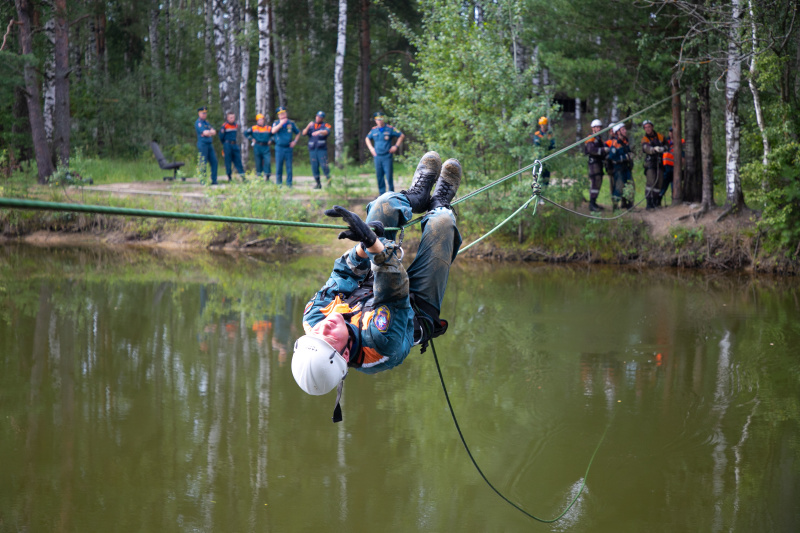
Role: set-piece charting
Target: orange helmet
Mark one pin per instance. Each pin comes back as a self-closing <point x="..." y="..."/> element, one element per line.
<point x="543" y="121"/>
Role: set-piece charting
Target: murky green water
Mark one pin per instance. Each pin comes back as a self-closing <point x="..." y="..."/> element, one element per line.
<point x="153" y="392"/>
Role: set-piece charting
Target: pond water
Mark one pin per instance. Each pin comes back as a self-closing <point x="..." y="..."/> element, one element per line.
<point x="152" y="392"/>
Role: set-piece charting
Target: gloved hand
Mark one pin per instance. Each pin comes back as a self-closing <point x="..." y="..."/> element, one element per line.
<point x="358" y="231"/>
<point x="606" y="149"/>
<point x="659" y="149"/>
<point x="377" y="227"/>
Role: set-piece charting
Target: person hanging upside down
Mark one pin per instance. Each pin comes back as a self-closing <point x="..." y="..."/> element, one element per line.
<point x="371" y="311"/>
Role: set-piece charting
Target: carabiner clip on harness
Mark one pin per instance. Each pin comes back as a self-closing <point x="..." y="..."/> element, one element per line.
<point x="536" y="188"/>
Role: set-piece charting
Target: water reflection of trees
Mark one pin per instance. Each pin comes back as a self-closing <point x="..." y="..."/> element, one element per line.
<point x="161" y="389"/>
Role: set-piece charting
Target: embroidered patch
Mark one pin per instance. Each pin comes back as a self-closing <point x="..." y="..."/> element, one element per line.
<point x="382" y="319"/>
<point x="308" y="306"/>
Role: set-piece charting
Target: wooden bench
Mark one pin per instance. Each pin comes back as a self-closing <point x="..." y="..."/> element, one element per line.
<point x="165" y="165"/>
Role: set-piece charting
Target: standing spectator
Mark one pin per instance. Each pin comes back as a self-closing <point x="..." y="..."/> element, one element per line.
<point x="205" y="138"/>
<point x="380" y="142"/>
<point x="621" y="161"/>
<point x="596" y="150"/>
<point x="669" y="164"/>
<point x="282" y="131"/>
<point x="230" y="147"/>
<point x="653" y="145"/>
<point x="318" y="132"/>
<point x="260" y="135"/>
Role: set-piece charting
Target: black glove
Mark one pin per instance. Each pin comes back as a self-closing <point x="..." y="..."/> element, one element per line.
<point x="358" y="231"/>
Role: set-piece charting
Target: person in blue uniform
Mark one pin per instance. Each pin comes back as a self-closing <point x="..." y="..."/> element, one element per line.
<point x="230" y="147"/>
<point x="205" y="137"/>
<point x="260" y="135"/>
<point x="383" y="141"/>
<point x="282" y="131"/>
<point x="317" y="133"/>
<point x="620" y="159"/>
<point x="371" y="311"/>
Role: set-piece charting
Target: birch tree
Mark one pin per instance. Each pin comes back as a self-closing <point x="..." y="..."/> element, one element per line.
<point x="338" y="84"/>
<point x="61" y="118"/>
<point x="364" y="93"/>
<point x="221" y="55"/>
<point x="263" y="85"/>
<point x="753" y="88"/>
<point x="733" y="81"/>
<point x="49" y="81"/>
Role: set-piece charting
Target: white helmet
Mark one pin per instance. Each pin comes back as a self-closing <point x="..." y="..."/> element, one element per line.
<point x="316" y="366"/>
<point x="597" y="123"/>
<point x="618" y="127"/>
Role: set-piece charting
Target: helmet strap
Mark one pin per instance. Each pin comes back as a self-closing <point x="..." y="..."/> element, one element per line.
<point x="337" y="411"/>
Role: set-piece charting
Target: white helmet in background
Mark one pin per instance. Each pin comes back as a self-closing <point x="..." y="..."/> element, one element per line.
<point x="597" y="123"/>
<point x="316" y="366"/>
<point x="618" y="127"/>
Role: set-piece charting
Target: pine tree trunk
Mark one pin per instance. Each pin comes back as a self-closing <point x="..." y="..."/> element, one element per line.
<point x="49" y="81"/>
<point x="263" y="87"/>
<point x="43" y="161"/>
<point x="692" y="181"/>
<point x="338" y="85"/>
<point x="166" y="37"/>
<point x="61" y="119"/>
<point x="365" y="81"/>
<point x="155" y="52"/>
<point x="706" y="141"/>
<point x="578" y="126"/>
<point x="244" y="79"/>
<point x="677" y="135"/>
<point x="733" y="80"/>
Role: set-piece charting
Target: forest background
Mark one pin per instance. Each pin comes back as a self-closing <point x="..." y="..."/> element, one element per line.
<point x="101" y="79"/>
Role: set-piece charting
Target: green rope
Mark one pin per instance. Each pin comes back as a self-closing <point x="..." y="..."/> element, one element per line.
<point x="478" y="468"/>
<point x="126" y="211"/>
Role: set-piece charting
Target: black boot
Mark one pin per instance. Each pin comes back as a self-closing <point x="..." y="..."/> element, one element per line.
<point x="650" y="204"/>
<point x="446" y="185"/>
<point x="318" y="184"/>
<point x="425" y="176"/>
<point x="594" y="207"/>
<point x="267" y="180"/>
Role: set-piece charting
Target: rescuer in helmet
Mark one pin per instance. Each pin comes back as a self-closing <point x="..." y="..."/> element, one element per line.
<point x="544" y="141"/>
<point x="653" y="145"/>
<point x="371" y="311"/>
<point x="596" y="150"/>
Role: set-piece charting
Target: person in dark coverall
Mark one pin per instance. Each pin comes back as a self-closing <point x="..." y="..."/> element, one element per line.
<point x="653" y="145"/>
<point x="620" y="159"/>
<point x="205" y="143"/>
<point x="282" y="131"/>
<point x="260" y="135"/>
<point x="381" y="144"/>
<point x="318" y="132"/>
<point x="596" y="149"/>
<point x="230" y="147"/>
<point x="349" y="326"/>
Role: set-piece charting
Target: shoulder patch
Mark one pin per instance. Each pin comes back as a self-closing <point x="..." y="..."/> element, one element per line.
<point x="382" y="319"/>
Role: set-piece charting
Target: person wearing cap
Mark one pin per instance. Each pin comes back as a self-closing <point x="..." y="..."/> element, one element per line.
<point x="653" y="145"/>
<point x="669" y="165"/>
<point x="318" y="132"/>
<point x="205" y="138"/>
<point x="596" y="149"/>
<point x="285" y="133"/>
<point x="260" y="135"/>
<point x="621" y="160"/>
<point x="383" y="141"/>
<point x="230" y="147"/>
<point x="371" y="311"/>
<point x="544" y="141"/>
